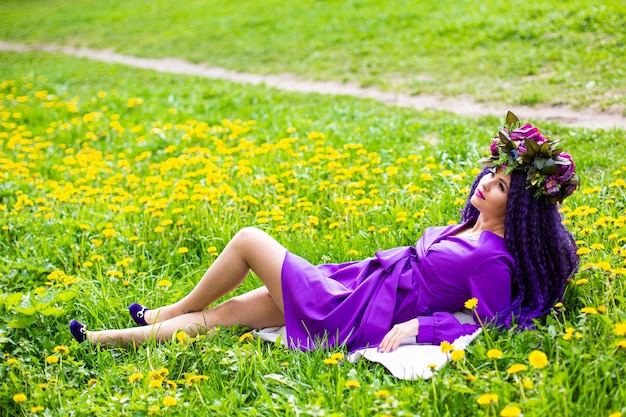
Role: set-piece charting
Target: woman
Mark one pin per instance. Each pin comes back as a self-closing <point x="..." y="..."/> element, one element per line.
<point x="510" y="253"/>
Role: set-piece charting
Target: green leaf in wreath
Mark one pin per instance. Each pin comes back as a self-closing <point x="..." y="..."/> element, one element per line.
<point x="532" y="148"/>
<point x="504" y="138"/>
<point x="511" y="119"/>
<point x="546" y="166"/>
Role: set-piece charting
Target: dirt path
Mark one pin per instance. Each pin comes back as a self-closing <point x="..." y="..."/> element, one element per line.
<point x="461" y="105"/>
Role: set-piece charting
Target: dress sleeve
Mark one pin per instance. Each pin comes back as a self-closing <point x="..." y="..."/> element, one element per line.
<point x="490" y="284"/>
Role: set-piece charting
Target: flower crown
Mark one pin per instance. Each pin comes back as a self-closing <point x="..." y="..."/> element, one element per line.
<point x="549" y="170"/>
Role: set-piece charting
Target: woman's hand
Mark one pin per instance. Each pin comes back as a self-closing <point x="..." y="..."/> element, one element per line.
<point x="397" y="334"/>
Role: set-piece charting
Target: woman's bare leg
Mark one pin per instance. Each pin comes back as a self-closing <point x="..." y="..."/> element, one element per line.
<point x="253" y="309"/>
<point x="250" y="249"/>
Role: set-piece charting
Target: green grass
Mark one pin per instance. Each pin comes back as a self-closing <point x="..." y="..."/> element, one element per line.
<point x="167" y="162"/>
<point x="557" y="52"/>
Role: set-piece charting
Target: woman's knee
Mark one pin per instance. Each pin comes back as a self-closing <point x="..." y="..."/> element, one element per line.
<point x="247" y="233"/>
<point x="228" y="313"/>
<point x="251" y="236"/>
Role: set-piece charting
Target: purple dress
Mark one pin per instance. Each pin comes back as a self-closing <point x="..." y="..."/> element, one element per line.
<point x="357" y="303"/>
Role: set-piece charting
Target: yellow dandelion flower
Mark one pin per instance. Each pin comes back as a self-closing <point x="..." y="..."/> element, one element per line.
<point x="61" y="349"/>
<point x="171" y="384"/>
<point x="382" y="393"/>
<point x="182" y="337"/>
<point x="92" y="382"/>
<point x="558" y="305"/>
<point x="597" y="246"/>
<point x="108" y="233"/>
<point x="337" y="356"/>
<point x="352" y="384"/>
<point x="494" y="354"/>
<point x="245" y="336"/>
<point x="470" y="378"/>
<point x="331" y="361"/>
<point x="195" y="378"/>
<point x="36" y="409"/>
<point x="487" y="399"/>
<point x="52" y="359"/>
<point x="159" y="373"/>
<point x="169" y="402"/>
<point x="621" y="344"/>
<point x="457" y="354"/>
<point x="459" y="202"/>
<point x="583" y="251"/>
<point x="316" y="135"/>
<point x="19" y="398"/>
<point x="620" y="329"/>
<point x="569" y="332"/>
<point x="471" y="303"/>
<point x="446" y="346"/>
<point x="164" y="283"/>
<point x="515" y="368"/>
<point x="156" y="383"/>
<point x="589" y="310"/>
<point x="135" y="377"/>
<point x="510" y="411"/>
<point x="528" y="384"/>
<point x="538" y="359"/>
<point x="182" y="250"/>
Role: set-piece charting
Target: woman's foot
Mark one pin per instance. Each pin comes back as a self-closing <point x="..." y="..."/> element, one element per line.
<point x="137" y="312"/>
<point x="78" y="330"/>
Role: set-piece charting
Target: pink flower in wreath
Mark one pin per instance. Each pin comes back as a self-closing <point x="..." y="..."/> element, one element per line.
<point x="494" y="147"/>
<point x="527" y="131"/>
<point x="551" y="185"/>
<point x="566" y="167"/>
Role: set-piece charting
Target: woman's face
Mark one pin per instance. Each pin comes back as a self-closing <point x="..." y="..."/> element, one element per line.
<point x="491" y="194"/>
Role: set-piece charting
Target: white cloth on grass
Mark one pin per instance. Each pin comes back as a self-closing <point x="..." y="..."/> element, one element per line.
<point x="409" y="361"/>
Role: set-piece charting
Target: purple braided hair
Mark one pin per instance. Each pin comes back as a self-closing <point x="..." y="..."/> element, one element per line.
<point x="543" y="249"/>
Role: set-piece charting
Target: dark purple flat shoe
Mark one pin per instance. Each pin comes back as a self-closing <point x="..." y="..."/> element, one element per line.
<point x="137" y="313"/>
<point x="78" y="330"/>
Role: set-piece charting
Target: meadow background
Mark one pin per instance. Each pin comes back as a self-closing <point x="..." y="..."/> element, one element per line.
<point x="120" y="185"/>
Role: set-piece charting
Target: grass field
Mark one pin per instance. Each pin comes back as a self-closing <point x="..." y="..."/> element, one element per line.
<point x="120" y="185"/>
<point x="510" y="52"/>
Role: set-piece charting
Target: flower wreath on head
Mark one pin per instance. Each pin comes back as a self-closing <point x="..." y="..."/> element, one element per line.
<point x="549" y="170"/>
